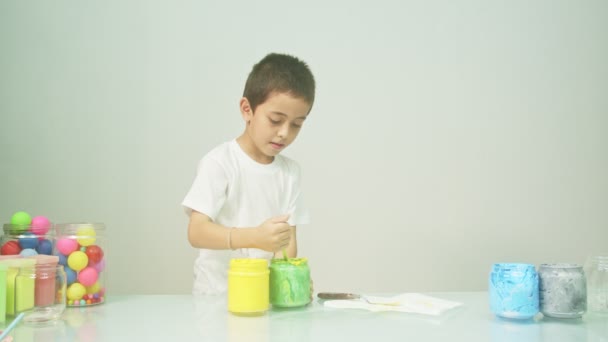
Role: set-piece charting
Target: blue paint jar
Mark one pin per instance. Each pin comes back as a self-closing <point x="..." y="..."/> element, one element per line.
<point x="513" y="290"/>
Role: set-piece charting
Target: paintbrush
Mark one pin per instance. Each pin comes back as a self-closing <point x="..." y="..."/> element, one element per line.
<point x="349" y="296"/>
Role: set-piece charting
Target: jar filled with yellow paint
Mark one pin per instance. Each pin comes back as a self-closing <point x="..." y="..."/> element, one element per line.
<point x="248" y="287"/>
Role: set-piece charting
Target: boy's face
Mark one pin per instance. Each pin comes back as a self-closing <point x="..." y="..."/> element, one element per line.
<point x="273" y="126"/>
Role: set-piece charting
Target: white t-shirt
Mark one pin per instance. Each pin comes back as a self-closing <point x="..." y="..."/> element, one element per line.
<point x="236" y="191"/>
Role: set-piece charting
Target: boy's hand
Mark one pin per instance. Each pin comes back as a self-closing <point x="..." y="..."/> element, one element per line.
<point x="274" y="234"/>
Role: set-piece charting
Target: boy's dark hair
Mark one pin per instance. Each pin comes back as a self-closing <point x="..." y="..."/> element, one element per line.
<point x="279" y="73"/>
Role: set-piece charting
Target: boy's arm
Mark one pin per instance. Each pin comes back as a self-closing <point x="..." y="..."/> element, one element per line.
<point x="273" y="235"/>
<point x="204" y="233"/>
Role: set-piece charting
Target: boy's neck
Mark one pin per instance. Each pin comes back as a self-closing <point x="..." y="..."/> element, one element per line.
<point x="247" y="145"/>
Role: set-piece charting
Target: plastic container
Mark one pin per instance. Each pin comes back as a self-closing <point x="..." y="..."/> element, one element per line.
<point x="248" y="286"/>
<point x="289" y="282"/>
<point x="81" y="250"/>
<point x="597" y="283"/>
<point x="563" y="290"/>
<point x="26" y="240"/>
<point x="514" y="290"/>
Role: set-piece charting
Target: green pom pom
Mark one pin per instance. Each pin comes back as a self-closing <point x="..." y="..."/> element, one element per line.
<point x="21" y="222"/>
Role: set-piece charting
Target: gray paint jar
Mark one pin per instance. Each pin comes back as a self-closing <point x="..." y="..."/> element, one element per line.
<point x="563" y="290"/>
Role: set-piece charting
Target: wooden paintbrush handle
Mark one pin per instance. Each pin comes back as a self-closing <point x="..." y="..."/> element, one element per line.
<point x="337" y="295"/>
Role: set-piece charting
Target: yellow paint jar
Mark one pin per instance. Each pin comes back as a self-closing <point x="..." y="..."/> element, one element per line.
<point x="248" y="288"/>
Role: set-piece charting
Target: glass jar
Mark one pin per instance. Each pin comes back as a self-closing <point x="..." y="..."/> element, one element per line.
<point x="289" y="282"/>
<point x="81" y="250"/>
<point x="40" y="292"/>
<point x="3" y="271"/>
<point x="513" y="290"/>
<point x="26" y="240"/>
<point x="597" y="283"/>
<point x="248" y="286"/>
<point x="563" y="290"/>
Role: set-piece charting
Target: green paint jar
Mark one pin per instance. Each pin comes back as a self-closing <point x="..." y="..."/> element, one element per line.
<point x="289" y="282"/>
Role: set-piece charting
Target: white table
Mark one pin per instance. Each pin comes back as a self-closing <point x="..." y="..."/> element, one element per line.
<point x="142" y="318"/>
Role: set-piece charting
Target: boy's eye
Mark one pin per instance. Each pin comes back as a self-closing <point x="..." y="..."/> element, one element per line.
<point x="296" y="125"/>
<point x="274" y="122"/>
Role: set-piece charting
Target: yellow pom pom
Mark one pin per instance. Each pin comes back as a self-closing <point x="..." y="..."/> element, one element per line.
<point x="93" y="288"/>
<point x="76" y="291"/>
<point x="86" y="236"/>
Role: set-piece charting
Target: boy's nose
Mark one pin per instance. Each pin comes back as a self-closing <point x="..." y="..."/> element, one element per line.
<point x="283" y="131"/>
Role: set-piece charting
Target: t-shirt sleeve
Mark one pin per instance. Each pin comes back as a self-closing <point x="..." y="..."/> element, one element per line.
<point x="208" y="192"/>
<point x="297" y="208"/>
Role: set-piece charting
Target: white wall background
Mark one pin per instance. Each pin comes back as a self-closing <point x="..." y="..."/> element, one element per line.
<point x="447" y="135"/>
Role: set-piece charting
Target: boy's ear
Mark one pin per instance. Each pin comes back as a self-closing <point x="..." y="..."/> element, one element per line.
<point x="246" y="110"/>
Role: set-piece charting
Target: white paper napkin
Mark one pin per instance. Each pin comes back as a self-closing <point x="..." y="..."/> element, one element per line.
<point x="405" y="302"/>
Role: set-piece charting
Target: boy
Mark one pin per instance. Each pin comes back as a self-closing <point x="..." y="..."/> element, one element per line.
<point x="245" y="201"/>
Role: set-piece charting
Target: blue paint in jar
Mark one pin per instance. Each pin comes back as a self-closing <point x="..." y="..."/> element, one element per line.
<point x="514" y="290"/>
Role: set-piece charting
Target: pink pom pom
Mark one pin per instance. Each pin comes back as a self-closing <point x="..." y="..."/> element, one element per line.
<point x="88" y="276"/>
<point x="40" y="225"/>
<point x="100" y="266"/>
<point x="66" y="246"/>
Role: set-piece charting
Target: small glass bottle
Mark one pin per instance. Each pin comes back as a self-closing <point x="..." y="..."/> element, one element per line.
<point x="81" y="248"/>
<point x="563" y="290"/>
<point x="40" y="292"/>
<point x="289" y="282"/>
<point x="514" y="290"/>
<point x="597" y="283"/>
<point x="248" y="286"/>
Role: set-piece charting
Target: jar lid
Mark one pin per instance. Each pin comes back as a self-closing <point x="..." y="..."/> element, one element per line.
<point x="508" y="267"/>
<point x="18" y="262"/>
<point x="16" y="229"/>
<point x="71" y="228"/>
<point x="290" y="261"/>
<point x="42" y="259"/>
<point x="248" y="265"/>
<point x="560" y="265"/>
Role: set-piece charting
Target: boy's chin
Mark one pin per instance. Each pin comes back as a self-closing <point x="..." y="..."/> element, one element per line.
<point x="271" y="152"/>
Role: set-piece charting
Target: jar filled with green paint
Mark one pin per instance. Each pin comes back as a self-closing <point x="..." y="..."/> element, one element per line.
<point x="289" y="282"/>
